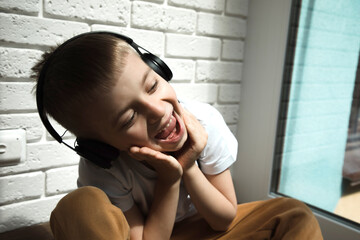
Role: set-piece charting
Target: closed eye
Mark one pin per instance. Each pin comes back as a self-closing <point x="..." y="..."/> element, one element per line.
<point x="153" y="87"/>
<point x="129" y="122"/>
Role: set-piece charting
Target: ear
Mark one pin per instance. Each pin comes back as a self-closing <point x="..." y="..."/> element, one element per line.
<point x="157" y="65"/>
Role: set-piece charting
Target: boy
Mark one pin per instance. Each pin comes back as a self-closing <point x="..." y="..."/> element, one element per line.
<point x="171" y="178"/>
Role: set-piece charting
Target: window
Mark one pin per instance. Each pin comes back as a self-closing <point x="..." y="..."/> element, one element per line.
<point x="318" y="88"/>
<point x="288" y="109"/>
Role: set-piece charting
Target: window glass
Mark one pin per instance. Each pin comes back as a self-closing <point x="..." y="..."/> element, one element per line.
<point x="317" y="157"/>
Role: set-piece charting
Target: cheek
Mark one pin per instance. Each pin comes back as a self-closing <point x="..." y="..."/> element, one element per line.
<point x="136" y="136"/>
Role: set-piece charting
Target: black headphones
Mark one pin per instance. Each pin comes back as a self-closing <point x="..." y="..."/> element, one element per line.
<point x="100" y="153"/>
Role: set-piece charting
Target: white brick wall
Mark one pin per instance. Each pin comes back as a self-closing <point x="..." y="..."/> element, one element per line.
<point x="192" y="46"/>
<point x="232" y="50"/>
<point x="202" y="5"/>
<point x="15" y="96"/>
<point x="218" y="71"/>
<point x="21" y="6"/>
<point x="22" y="186"/>
<point x="218" y="25"/>
<point x="27" y="30"/>
<point x="55" y="183"/>
<point x="201" y="40"/>
<point x="158" y="17"/>
<point x="17" y="63"/>
<point x="110" y="11"/>
<point x="237" y="7"/>
<point x="27" y="213"/>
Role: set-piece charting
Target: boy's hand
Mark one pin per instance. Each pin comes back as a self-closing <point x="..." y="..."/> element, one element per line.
<point x="167" y="167"/>
<point x="195" y="144"/>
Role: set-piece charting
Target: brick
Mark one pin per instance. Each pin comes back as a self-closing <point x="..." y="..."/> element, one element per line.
<point x="158" y="17"/>
<point x="27" y="213"/>
<point x="218" y="25"/>
<point x="113" y="11"/>
<point x="152" y="41"/>
<point x="61" y="180"/>
<point x="232" y="50"/>
<point x="21" y="6"/>
<point x="182" y="69"/>
<point x="155" y="1"/>
<point x="17" y="63"/>
<point x="16" y="96"/>
<point x="211" y="71"/>
<point x="192" y="46"/>
<point x="44" y="155"/>
<point x="37" y="31"/>
<point x="200" y="92"/>
<point x="230" y="113"/>
<point x="237" y="7"/>
<point x="229" y="93"/>
<point x="216" y="6"/>
<point x="21" y="187"/>
<point x="28" y="121"/>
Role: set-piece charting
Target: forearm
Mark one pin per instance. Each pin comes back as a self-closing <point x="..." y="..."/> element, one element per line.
<point x="160" y="220"/>
<point x="216" y="209"/>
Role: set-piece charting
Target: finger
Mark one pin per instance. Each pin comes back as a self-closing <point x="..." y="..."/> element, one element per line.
<point x="193" y="126"/>
<point x="134" y="153"/>
<point x="148" y="154"/>
<point x="189" y="119"/>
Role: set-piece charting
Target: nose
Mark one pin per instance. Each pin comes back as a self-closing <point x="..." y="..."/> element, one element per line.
<point x="155" y="111"/>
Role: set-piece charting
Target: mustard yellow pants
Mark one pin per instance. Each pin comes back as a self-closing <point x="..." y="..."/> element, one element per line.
<point x="87" y="213"/>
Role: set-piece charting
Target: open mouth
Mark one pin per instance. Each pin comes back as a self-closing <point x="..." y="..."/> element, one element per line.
<point x="169" y="130"/>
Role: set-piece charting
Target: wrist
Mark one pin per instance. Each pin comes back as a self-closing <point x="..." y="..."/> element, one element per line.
<point x="166" y="183"/>
<point x="191" y="170"/>
<point x="170" y="177"/>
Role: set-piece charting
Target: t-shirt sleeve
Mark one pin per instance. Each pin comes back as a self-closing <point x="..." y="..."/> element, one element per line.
<point x="221" y="149"/>
<point x="118" y="189"/>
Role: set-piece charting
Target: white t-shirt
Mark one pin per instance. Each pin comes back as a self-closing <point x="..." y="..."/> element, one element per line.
<point x="129" y="181"/>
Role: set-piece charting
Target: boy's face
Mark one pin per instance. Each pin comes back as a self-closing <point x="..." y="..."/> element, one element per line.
<point x="142" y="110"/>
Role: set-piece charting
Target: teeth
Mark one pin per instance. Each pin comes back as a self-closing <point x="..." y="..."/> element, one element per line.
<point x="167" y="125"/>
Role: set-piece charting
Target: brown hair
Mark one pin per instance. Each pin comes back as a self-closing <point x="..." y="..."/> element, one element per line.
<point x="77" y="74"/>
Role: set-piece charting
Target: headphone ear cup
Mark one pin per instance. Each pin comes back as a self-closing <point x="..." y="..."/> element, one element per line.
<point x="99" y="153"/>
<point x="158" y="65"/>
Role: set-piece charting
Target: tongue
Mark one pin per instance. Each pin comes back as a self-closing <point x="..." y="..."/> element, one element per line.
<point x="163" y="134"/>
<point x="167" y="132"/>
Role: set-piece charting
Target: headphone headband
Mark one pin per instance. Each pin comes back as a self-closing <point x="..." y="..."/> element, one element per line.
<point x="83" y="148"/>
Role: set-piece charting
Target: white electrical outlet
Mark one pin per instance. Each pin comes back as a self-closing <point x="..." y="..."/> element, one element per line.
<point x="12" y="146"/>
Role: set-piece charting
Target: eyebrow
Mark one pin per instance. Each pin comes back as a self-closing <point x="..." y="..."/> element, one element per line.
<point x="119" y="114"/>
